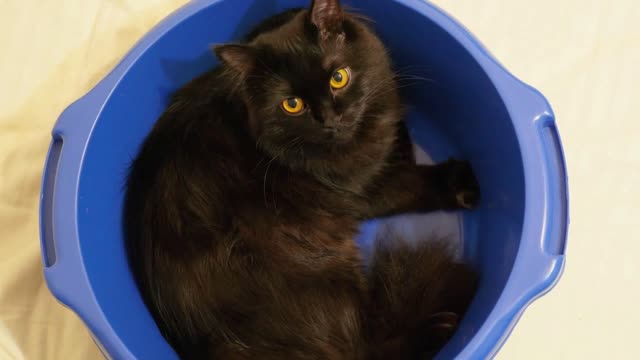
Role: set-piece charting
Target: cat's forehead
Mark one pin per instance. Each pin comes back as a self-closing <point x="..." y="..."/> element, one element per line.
<point x="295" y="41"/>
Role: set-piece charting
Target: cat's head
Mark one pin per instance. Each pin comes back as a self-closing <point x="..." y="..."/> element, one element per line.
<point x="312" y="80"/>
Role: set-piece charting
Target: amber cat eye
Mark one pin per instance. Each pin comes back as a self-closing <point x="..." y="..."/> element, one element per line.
<point x="293" y="105"/>
<point x="340" y="78"/>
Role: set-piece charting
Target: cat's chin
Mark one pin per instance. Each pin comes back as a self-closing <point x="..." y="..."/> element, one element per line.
<point x="339" y="140"/>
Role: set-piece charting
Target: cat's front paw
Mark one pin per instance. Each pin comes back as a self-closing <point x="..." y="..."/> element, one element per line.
<point x="462" y="184"/>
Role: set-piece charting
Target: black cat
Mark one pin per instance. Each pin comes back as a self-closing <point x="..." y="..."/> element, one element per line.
<point x="244" y="201"/>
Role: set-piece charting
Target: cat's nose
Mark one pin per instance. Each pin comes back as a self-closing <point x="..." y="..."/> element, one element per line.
<point x="330" y="118"/>
<point x="333" y="122"/>
<point x="327" y="114"/>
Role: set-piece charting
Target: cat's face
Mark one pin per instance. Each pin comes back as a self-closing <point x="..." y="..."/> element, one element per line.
<point x="312" y="83"/>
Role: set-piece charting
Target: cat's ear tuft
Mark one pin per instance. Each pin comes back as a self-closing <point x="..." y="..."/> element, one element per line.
<point x="239" y="57"/>
<point x="327" y="16"/>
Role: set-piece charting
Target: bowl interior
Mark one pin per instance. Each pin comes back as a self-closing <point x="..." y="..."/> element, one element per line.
<point x="456" y="112"/>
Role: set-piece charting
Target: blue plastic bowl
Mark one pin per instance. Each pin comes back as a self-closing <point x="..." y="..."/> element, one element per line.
<point x="472" y="108"/>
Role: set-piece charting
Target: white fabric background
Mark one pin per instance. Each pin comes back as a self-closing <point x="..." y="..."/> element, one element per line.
<point x="584" y="55"/>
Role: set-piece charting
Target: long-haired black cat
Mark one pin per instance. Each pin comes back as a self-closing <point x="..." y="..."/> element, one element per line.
<point x="244" y="201"/>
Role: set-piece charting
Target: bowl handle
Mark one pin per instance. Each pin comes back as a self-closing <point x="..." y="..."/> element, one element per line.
<point x="542" y="247"/>
<point x="538" y="270"/>
<point x="63" y="269"/>
<point x="546" y="250"/>
<point x="552" y="174"/>
<point x="557" y="193"/>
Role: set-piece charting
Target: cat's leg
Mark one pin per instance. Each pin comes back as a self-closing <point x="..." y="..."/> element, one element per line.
<point x="407" y="188"/>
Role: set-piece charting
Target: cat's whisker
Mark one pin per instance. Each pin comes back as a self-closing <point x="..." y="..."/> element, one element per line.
<point x="275" y="75"/>
<point x="374" y="92"/>
<point x="264" y="183"/>
<point x="409" y="73"/>
<point x="412" y="77"/>
<point x="288" y="147"/>
<point x="377" y="87"/>
<point x="356" y="13"/>
<point x="395" y="88"/>
<point x="417" y="79"/>
<point x="411" y="68"/>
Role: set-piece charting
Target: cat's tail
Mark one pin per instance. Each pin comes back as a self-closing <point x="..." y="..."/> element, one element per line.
<point x="417" y="295"/>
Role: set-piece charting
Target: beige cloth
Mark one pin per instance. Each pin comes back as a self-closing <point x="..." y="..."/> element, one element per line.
<point x="583" y="54"/>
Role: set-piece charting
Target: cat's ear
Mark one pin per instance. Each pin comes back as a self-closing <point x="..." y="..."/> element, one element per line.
<point x="327" y="16"/>
<point x="239" y="57"/>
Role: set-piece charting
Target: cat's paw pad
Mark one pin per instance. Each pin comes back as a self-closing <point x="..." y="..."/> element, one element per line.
<point x="462" y="183"/>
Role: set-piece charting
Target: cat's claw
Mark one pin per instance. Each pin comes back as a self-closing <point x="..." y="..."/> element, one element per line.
<point x="463" y="184"/>
<point x="467" y="199"/>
